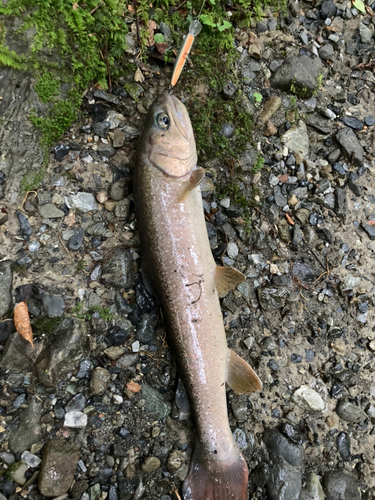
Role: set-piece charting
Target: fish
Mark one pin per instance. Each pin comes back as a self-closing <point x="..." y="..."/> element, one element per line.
<point x="178" y="261"/>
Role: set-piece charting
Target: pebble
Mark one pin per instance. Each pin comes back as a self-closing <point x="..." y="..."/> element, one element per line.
<point x="85" y="202"/>
<point x="308" y="399"/>
<point x="75" y="419"/>
<point x="30" y="459"/>
<point x="151" y="464"/>
<point x="99" y="382"/>
<point x="350" y="413"/>
<point x="232" y="250"/>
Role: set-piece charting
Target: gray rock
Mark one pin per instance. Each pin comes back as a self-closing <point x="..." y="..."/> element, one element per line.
<point x="341" y="202"/>
<point x="145" y="330"/>
<point x="30" y="459"/>
<point x="326" y="52"/>
<point x="343" y="445"/>
<point x="350" y="413"/>
<point x="353" y="122"/>
<point x="130" y="132"/>
<point x="313" y="489"/>
<point x="106" y="150"/>
<point x="301" y="72"/>
<point x="297" y="235"/>
<point x="63" y="351"/>
<point x="118" y="271"/>
<point x="340" y="486"/>
<point x="280" y="199"/>
<point x="297" y="139"/>
<point x="308" y="399"/>
<point x="6" y="279"/>
<point x="286" y="466"/>
<point x="25" y="227"/>
<point x="54" y="305"/>
<point x="105" y="96"/>
<point x="50" y="211"/>
<point x="365" y="33"/>
<point x="370" y="230"/>
<point x="100" y="379"/>
<point x="119" y="190"/>
<point x="59" y="464"/>
<point x="154" y="402"/>
<point x="272" y="297"/>
<point x="328" y="9"/>
<point x="44" y="197"/>
<point x="350" y="144"/>
<point x="76" y="240"/>
<point x="304" y="272"/>
<point x="75" y="419"/>
<point x="85" y="202"/>
<point x="229" y="90"/>
<point x="101" y="129"/>
<point x="18" y="354"/>
<point x="118" y="138"/>
<point x="122" y="209"/>
<point x="28" y="431"/>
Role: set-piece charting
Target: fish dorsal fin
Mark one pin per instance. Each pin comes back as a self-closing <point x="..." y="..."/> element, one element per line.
<point x="240" y="376"/>
<point x="195" y="179"/>
<point x="227" y="278"/>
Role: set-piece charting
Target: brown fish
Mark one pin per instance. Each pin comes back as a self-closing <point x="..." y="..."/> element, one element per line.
<point x="178" y="260"/>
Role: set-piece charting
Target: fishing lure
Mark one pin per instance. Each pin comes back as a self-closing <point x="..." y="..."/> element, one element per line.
<point x="194" y="30"/>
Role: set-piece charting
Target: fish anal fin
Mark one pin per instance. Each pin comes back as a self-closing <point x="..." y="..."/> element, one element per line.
<point x="240" y="376"/>
<point x="227" y="279"/>
<point x="195" y="179"/>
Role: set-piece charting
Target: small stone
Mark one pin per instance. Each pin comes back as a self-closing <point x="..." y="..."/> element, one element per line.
<point x="58" y="467"/>
<point x="54" y="305"/>
<point x="25" y="227"/>
<point x="106" y="151"/>
<point x="313" y="489"/>
<point x="350" y="144"/>
<point x="308" y="399"/>
<point x="61" y="151"/>
<point x="119" y="190"/>
<point x="114" y="352"/>
<point x="154" y="403"/>
<point x="151" y="464"/>
<point x="99" y="382"/>
<point x="85" y="202"/>
<point x="75" y="419"/>
<point x="76" y="240"/>
<point x="270" y="108"/>
<point x="30" y="459"/>
<point x="28" y="431"/>
<point x="118" y="138"/>
<point x="270" y="129"/>
<point x="369" y="229"/>
<point x="365" y="33"/>
<point x="101" y="197"/>
<point x="297" y="139"/>
<point x="327" y="52"/>
<point x="17" y="473"/>
<point x="350" y="413"/>
<point x="369" y="121"/>
<point x="352" y="122"/>
<point x="110" y="205"/>
<point x="328" y="9"/>
<point x="6" y="277"/>
<point x="50" y="211"/>
<point x="229" y="90"/>
<point x="340" y="486"/>
<point x="122" y="209"/>
<point x="101" y="129"/>
<point x="232" y="250"/>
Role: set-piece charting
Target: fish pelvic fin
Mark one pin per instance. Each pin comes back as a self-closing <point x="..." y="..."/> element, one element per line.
<point x="240" y="376"/>
<point x="225" y="479"/>
<point x="197" y="177"/>
<point x="227" y="279"/>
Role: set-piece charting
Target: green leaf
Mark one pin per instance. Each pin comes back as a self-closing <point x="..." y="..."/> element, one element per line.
<point x="358" y="4"/>
<point x="224" y="26"/>
<point x="258" y="97"/>
<point x="207" y="20"/>
<point x="159" y="38"/>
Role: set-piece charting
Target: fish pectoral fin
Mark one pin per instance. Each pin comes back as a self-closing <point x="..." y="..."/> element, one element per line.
<point x="198" y="177"/>
<point x="207" y="184"/>
<point x="226" y="279"/>
<point x="240" y="376"/>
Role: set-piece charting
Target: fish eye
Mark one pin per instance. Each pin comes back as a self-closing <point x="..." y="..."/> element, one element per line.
<point x="163" y="121"/>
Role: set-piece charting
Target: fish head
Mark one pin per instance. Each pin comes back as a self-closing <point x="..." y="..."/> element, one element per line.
<point x="167" y="140"/>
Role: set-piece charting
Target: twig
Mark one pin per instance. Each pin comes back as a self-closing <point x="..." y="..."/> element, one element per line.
<point x="177" y="495"/>
<point x="66" y="250"/>
<point x="96" y="8"/>
<point x="174" y="9"/>
<point x="304" y="242"/>
<point x="25" y="198"/>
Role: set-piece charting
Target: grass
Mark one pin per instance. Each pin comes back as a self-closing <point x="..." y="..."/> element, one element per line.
<point x="45" y="326"/>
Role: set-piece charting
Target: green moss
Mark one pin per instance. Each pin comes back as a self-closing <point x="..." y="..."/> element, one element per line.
<point x="47" y="86"/>
<point x="259" y="163"/>
<point x="45" y="326"/>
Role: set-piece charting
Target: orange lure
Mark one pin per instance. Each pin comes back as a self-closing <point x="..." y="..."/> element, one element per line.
<point x="194" y="30"/>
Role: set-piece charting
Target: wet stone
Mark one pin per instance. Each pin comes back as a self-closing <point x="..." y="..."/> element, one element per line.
<point x="272" y="297"/>
<point x="145" y="330"/>
<point x="239" y="409"/>
<point x="350" y="413"/>
<point x="25" y="227"/>
<point x="118" y="271"/>
<point x="340" y="486"/>
<point x="117" y="336"/>
<point x="77" y="403"/>
<point x="99" y="382"/>
<point x="352" y="122"/>
<point x="28" y="431"/>
<point x="62" y="352"/>
<point x="101" y="129"/>
<point x="76" y="240"/>
<point x="61" y="151"/>
<point x="54" y="305"/>
<point x="343" y="445"/>
<point x="58" y="467"/>
<point x="155" y="405"/>
<point x="6" y="277"/>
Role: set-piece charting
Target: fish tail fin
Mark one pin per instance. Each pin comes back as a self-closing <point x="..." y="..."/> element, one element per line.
<point x="225" y="479"/>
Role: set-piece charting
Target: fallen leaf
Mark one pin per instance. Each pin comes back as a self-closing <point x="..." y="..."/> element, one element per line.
<point x="22" y="322"/>
<point x="161" y="47"/>
<point x="359" y="5"/>
<point x="151" y="27"/>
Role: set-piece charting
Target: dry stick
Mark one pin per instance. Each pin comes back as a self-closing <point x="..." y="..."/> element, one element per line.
<point x="66" y="250"/>
<point x="304" y="242"/>
<point x="177" y="495"/>
<point x="96" y="8"/>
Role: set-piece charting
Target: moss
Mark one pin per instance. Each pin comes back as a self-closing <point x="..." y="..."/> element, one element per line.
<point x="45" y="326"/>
